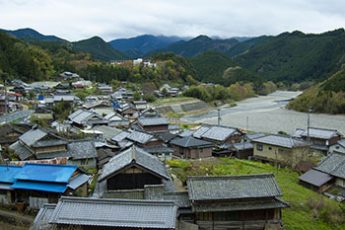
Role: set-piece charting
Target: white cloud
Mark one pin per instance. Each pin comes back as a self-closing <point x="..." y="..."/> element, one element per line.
<point x="79" y="19"/>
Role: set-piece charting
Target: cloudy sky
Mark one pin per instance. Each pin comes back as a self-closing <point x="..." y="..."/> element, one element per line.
<point x="110" y="19"/>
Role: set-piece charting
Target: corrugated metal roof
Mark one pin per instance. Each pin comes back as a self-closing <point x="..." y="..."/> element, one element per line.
<point x="134" y="155"/>
<point x="189" y="142"/>
<point x="40" y="186"/>
<point x="218" y="133"/>
<point x="333" y="164"/>
<point x="145" y="121"/>
<point x="232" y="187"/>
<point x="31" y="136"/>
<point x="115" y="213"/>
<point x="283" y="141"/>
<point x="8" y="173"/>
<point x="78" y="181"/>
<point x="46" y="173"/>
<point x="315" y="177"/>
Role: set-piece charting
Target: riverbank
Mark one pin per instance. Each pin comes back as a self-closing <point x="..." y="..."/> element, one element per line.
<point x="268" y="114"/>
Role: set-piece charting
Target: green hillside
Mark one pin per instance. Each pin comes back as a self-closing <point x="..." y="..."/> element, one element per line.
<point x="296" y="57"/>
<point x="200" y="45"/>
<point x="23" y="61"/>
<point x="325" y="97"/>
<point x="98" y="49"/>
<point x="216" y="67"/>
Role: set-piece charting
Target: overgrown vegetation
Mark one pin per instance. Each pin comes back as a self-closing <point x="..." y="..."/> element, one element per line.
<point x="326" y="97"/>
<point x="308" y="209"/>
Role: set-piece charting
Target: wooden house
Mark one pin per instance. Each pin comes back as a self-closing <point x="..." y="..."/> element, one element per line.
<point x="130" y="172"/>
<point x="153" y="124"/>
<point x="9" y="133"/>
<point x="236" y="202"/>
<point x="191" y="148"/>
<point x="284" y="150"/>
<point x="319" y="138"/>
<point x="330" y="172"/>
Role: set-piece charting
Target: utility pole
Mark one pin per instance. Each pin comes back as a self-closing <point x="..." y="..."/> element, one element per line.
<point x="219" y="118"/>
<point x="308" y="125"/>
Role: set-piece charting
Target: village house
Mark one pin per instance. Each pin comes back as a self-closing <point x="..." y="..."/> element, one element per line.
<point x="280" y="149"/>
<point x="141" y="139"/>
<point x="320" y="139"/>
<point x="86" y="118"/>
<point x="116" y="120"/>
<point x="74" y="212"/>
<point x="236" y="202"/>
<point x="330" y="172"/>
<point x="41" y="144"/>
<point x="242" y="150"/>
<point x="131" y="173"/>
<point x="140" y="105"/>
<point x="9" y="133"/>
<point x="37" y="184"/>
<point x="105" y="89"/>
<point x="154" y="124"/>
<point x="191" y="148"/>
<point x="338" y="147"/>
<point x="218" y="134"/>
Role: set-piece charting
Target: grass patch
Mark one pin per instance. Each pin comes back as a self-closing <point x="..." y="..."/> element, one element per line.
<point x="308" y="209"/>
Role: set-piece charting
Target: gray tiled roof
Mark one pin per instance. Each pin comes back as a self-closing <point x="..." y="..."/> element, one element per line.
<point x="50" y="155"/>
<point x="315" y="177"/>
<point x="242" y="146"/>
<point x="199" y="132"/>
<point x="134" y="155"/>
<point x="189" y="142"/>
<point x="82" y="149"/>
<point x="120" y="137"/>
<point x="320" y="133"/>
<point x="21" y="150"/>
<point x="81" y="116"/>
<point x="333" y="164"/>
<point x="115" y="213"/>
<point x="139" y="137"/>
<point x="283" y="141"/>
<point x="341" y="142"/>
<point x="181" y="199"/>
<point x="153" y="121"/>
<point x="239" y="205"/>
<point x="218" y="133"/>
<point x="232" y="187"/>
<point x="108" y="132"/>
<point x="51" y="142"/>
<point x="31" y="136"/>
<point x="41" y="221"/>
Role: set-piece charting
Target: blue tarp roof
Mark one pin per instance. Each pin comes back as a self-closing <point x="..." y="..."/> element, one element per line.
<point x="40" y="186"/>
<point x="8" y="173"/>
<point x="46" y="173"/>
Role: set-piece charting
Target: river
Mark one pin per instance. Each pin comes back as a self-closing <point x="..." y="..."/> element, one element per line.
<point x="268" y="114"/>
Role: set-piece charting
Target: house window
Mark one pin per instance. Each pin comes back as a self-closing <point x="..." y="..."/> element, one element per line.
<point x="270" y="148"/>
<point x="259" y="147"/>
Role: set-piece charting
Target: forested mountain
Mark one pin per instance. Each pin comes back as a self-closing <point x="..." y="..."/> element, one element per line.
<point x="325" y="97"/>
<point x="200" y="45"/>
<point x="24" y="61"/>
<point x="98" y="49"/>
<point x="296" y="57"/>
<point x="30" y="35"/>
<point x="141" y="45"/>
